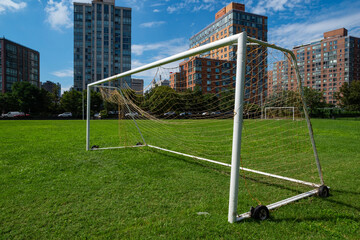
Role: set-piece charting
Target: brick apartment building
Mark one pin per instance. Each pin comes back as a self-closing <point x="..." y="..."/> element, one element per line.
<point x="324" y="65"/>
<point x="214" y="71"/>
<point x="18" y="64"/>
<point x="209" y="75"/>
<point x="52" y="87"/>
<point x="229" y="21"/>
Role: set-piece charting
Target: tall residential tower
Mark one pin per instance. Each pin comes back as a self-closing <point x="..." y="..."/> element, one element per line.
<point x="102" y="42"/>
<point x="18" y="64"/>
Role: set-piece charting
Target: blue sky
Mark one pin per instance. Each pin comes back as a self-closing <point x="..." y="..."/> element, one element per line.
<point x="161" y="28"/>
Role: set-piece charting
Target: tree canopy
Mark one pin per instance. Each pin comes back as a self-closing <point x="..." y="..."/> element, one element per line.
<point x="349" y="96"/>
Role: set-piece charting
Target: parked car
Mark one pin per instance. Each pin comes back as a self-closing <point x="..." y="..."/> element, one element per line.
<point x="205" y="113"/>
<point x="169" y="114"/>
<point x="14" y="115"/>
<point x="215" y="113"/>
<point x="185" y="114"/>
<point x="65" y="114"/>
<point x="132" y="114"/>
<point x="97" y="115"/>
<point x="113" y="112"/>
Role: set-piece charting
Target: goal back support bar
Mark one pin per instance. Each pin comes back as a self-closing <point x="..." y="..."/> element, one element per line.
<point x="240" y="40"/>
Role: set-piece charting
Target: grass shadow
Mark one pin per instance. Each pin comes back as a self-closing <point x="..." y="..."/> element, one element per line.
<point x="220" y="169"/>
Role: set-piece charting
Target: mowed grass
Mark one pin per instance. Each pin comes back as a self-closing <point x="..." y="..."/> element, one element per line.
<point x="50" y="187"/>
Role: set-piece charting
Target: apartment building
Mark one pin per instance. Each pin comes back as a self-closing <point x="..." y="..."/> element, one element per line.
<point x="230" y="20"/>
<point x="52" y="87"/>
<point x="137" y="85"/>
<point x="206" y="74"/>
<point x="102" y="42"/>
<point x="213" y="74"/>
<point x="18" y="64"/>
<point x="324" y="65"/>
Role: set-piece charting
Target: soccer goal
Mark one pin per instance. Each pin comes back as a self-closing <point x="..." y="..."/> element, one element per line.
<point x="280" y="113"/>
<point x="202" y="106"/>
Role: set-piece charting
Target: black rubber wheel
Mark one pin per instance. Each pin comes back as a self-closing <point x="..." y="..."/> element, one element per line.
<point x="94" y="147"/>
<point x="139" y="143"/>
<point x="260" y="212"/>
<point x="323" y="191"/>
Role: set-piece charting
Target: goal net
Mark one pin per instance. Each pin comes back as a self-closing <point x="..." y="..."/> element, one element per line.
<point x="222" y="112"/>
<point x="281" y="113"/>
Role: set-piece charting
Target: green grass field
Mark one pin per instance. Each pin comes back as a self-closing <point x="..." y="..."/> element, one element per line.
<point x="52" y="188"/>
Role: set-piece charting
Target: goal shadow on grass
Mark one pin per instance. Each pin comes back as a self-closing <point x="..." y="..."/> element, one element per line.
<point x="312" y="219"/>
<point x="333" y="191"/>
<point x="220" y="169"/>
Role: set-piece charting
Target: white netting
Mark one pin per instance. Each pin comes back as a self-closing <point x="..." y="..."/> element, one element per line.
<point x="197" y="119"/>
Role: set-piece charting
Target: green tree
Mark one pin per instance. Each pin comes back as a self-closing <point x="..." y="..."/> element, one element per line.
<point x="96" y="101"/>
<point x="314" y="99"/>
<point x="71" y="101"/>
<point x="161" y="99"/>
<point x="349" y="96"/>
<point x="55" y="100"/>
<point x="227" y="100"/>
<point x="8" y="102"/>
<point x="285" y="98"/>
<point x="30" y="98"/>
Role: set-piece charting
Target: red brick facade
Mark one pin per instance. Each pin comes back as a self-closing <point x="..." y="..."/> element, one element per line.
<point x="324" y="65"/>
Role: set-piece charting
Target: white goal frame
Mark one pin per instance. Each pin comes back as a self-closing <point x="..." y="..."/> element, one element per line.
<point x="241" y="40"/>
<point x="293" y="111"/>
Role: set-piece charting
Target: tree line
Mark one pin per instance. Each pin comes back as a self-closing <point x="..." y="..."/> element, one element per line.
<point x="30" y="99"/>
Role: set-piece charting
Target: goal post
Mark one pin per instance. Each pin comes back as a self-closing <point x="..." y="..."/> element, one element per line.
<point x="238" y="120"/>
<point x="231" y="105"/>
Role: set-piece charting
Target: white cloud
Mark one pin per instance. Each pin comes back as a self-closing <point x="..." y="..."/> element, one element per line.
<point x="157" y="51"/>
<point x="59" y="14"/>
<point x="270" y="6"/>
<point x="156" y="10"/>
<point x="165" y="48"/>
<point x="157" y="4"/>
<point x="65" y="88"/>
<point x="290" y="35"/>
<point x="64" y="73"/>
<point x="172" y="9"/>
<point x="134" y="4"/>
<point x="152" y="24"/>
<point x="154" y="73"/>
<point x="195" y="5"/>
<point x="209" y="7"/>
<point x="81" y="1"/>
<point x="11" y="5"/>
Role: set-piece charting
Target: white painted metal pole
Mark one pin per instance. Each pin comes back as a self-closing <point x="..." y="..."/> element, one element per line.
<point x="293" y="113"/>
<point x="265" y="113"/>
<point x="237" y="129"/>
<point x="262" y="105"/>
<point x="88" y="118"/>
